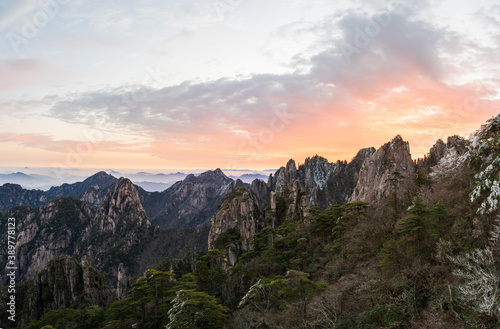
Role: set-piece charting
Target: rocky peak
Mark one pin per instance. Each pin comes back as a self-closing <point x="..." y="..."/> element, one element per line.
<point x="283" y="176"/>
<point x="315" y="172"/>
<point x="436" y="153"/>
<point x="372" y="185"/>
<point x="213" y="176"/>
<point x="189" y="202"/>
<point x="100" y="180"/>
<point x="260" y="192"/>
<point x="121" y="208"/>
<point x="238" y="212"/>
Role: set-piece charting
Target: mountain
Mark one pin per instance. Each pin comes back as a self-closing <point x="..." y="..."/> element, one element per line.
<point x="249" y="178"/>
<point x="27" y="180"/>
<point x="379" y="241"/>
<point x="153" y="186"/>
<point x="98" y="181"/>
<point x="379" y="177"/>
<point x="189" y="202"/>
<point x="14" y="195"/>
<point x="119" y="231"/>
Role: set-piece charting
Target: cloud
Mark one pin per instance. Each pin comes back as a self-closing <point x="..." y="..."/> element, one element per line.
<point x="407" y="77"/>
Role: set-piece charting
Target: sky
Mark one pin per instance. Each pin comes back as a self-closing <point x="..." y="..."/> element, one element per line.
<point x="239" y="84"/>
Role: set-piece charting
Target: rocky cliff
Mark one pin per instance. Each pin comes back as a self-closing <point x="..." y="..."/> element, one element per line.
<point x="235" y="223"/>
<point x="371" y="176"/>
<point x="119" y="227"/>
<point x="389" y="169"/>
<point x="63" y="282"/>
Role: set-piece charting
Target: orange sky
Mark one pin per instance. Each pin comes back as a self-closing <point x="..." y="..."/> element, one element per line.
<point x="190" y="87"/>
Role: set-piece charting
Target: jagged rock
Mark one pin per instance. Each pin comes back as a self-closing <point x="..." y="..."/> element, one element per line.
<point x="65" y="283"/>
<point x="121" y="217"/>
<point x="283" y="176"/>
<point x="373" y="182"/>
<point x="261" y="193"/>
<point x="314" y="173"/>
<point x="48" y="231"/>
<point x="238" y="211"/>
<point x="296" y="201"/>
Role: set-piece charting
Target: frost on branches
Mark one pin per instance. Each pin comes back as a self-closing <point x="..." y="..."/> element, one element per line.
<point x="451" y="161"/>
<point x="487" y="185"/>
<point x="479" y="272"/>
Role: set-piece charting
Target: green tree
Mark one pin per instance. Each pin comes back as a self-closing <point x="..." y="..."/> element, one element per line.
<point x="436" y="218"/>
<point x="393" y="180"/>
<point x="413" y="227"/>
<point x="195" y="309"/>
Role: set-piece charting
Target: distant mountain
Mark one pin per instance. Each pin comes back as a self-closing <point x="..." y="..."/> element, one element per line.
<point x="153" y="186"/>
<point x="100" y="180"/>
<point x="190" y="202"/>
<point x="155" y="178"/>
<point x="30" y="181"/>
<point x="249" y="178"/>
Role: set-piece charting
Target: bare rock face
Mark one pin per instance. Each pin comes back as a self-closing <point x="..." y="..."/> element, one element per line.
<point x="314" y="173"/>
<point x="328" y="183"/>
<point x="95" y="195"/>
<point x="121" y="218"/>
<point x="122" y="285"/>
<point x="65" y="283"/>
<point x="68" y="226"/>
<point x="261" y="193"/>
<point x="283" y="176"/>
<point x="374" y="176"/>
<point x="239" y="212"/>
<point x="296" y="201"/>
<point x="48" y="231"/>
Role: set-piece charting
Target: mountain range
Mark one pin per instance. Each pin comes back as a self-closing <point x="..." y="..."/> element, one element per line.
<point x="112" y="226"/>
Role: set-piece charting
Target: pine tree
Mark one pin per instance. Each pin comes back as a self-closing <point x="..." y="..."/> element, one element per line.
<point x="413" y="227"/>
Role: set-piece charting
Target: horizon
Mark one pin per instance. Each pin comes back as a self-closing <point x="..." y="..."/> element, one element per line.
<point x="239" y="84"/>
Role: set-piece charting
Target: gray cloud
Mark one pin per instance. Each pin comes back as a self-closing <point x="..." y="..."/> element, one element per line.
<point x="407" y="50"/>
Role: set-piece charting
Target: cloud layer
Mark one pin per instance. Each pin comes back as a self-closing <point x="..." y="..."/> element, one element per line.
<point x="369" y="75"/>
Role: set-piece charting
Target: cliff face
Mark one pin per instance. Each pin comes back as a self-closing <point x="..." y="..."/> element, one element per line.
<point x="239" y="212"/>
<point x="64" y="282"/>
<point x="68" y="226"/>
<point x="48" y="231"/>
<point x="371" y="177"/>
<point x="119" y="226"/>
<point x="377" y="178"/>
<point x="190" y="202"/>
